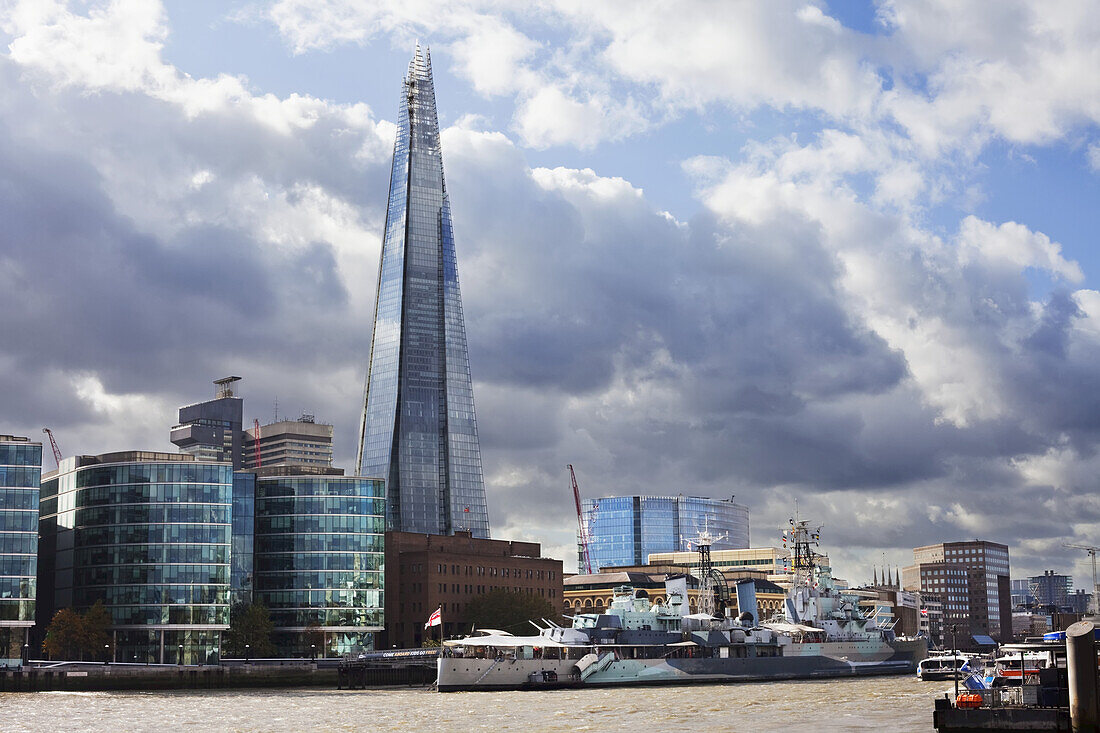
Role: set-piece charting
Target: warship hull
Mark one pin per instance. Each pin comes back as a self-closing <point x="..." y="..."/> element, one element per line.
<point x="823" y="660"/>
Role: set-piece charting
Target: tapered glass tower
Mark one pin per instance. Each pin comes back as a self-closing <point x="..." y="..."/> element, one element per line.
<point x="418" y="430"/>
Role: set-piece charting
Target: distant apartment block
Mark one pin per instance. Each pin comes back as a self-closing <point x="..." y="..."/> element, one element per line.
<point x="20" y="473"/>
<point x="971" y="580"/>
<point x="1052" y="589"/>
<point x="301" y="442"/>
<point x="626" y="530"/>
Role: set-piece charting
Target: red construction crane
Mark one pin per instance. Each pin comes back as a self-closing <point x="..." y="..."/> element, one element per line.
<point x="256" y="442"/>
<point x="53" y="444"/>
<point x="582" y="531"/>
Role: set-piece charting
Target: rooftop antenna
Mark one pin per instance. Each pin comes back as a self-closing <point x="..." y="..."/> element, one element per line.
<point x="276" y="408"/>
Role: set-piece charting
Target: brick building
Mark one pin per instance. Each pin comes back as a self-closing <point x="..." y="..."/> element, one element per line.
<point x="425" y="572"/>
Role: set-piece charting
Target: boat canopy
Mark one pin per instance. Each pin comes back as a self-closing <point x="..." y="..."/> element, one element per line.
<point x="505" y="641"/>
<point x="785" y="628"/>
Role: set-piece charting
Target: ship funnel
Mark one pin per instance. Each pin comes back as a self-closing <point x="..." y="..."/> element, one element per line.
<point x="746" y="600"/>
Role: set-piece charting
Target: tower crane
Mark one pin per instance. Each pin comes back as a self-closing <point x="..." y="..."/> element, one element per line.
<point x="582" y="531"/>
<point x="53" y="444"/>
<point x="1092" y="554"/>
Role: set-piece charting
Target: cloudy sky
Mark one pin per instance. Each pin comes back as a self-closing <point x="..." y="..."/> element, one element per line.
<point x="838" y="253"/>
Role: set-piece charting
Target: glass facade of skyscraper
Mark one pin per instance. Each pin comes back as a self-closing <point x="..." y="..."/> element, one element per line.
<point x="20" y="473"/>
<point x="149" y="535"/>
<point x="625" y="530"/>
<point x="419" y="430"/>
<point x="243" y="538"/>
<point x="319" y="560"/>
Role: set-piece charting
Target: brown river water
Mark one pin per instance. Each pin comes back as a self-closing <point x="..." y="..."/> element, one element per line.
<point x="869" y="704"/>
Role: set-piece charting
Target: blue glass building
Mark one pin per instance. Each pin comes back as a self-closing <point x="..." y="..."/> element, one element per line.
<point x="20" y="472"/>
<point x="319" y="558"/>
<point x="418" y="430"/>
<point x="149" y="535"/>
<point x="624" y="530"/>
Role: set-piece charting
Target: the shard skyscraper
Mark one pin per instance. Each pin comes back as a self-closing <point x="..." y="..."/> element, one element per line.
<point x="418" y="430"/>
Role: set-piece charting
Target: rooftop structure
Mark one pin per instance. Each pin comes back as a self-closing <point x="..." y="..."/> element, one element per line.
<point x="211" y="430"/>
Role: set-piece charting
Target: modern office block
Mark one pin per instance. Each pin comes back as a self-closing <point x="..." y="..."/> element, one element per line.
<point x="211" y="430"/>
<point x="319" y="557"/>
<point x="971" y="580"/>
<point x="626" y="530"/>
<point x="418" y="430"/>
<point x="301" y="442"/>
<point x="20" y="474"/>
<point x="149" y="535"/>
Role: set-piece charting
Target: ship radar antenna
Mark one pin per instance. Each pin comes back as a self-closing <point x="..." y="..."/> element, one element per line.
<point x="714" y="592"/>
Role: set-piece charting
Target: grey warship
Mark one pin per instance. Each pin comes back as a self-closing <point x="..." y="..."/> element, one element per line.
<point x="820" y="634"/>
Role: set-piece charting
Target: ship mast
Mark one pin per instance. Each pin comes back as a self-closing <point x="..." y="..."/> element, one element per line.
<point x="709" y="579"/>
<point x="803" y="557"/>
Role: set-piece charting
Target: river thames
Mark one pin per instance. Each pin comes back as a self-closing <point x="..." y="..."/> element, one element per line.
<point x="879" y="704"/>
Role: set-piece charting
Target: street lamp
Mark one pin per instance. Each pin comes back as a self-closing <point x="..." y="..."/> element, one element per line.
<point x="106" y="653"/>
<point x="247" y="652"/>
<point x="954" y="657"/>
<point x="26" y="654"/>
<point x="180" y="662"/>
<point x="313" y="652"/>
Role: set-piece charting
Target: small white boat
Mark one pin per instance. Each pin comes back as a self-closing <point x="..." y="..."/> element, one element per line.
<point x="944" y="666"/>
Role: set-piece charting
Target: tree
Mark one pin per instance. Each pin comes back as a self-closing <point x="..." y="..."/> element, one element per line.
<point x="73" y="635"/>
<point x="97" y="630"/>
<point x="249" y="624"/>
<point x="64" y="635"/>
<point x="507" y="610"/>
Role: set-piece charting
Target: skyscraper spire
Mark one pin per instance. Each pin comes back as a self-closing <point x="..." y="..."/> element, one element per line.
<point x="419" y="430"/>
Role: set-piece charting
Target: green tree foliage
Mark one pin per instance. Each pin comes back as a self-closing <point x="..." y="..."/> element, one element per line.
<point x="251" y="625"/>
<point x="508" y="610"/>
<point x="73" y="635"/>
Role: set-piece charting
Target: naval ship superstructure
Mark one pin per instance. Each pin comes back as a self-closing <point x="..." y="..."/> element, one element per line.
<point x="821" y="633"/>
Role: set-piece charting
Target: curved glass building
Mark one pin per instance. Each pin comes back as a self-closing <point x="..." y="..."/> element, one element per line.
<point x="20" y="470"/>
<point x="149" y="535"/>
<point x="626" y="530"/>
<point x="319" y="557"/>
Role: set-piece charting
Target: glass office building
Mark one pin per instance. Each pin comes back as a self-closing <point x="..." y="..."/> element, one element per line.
<point x="243" y="543"/>
<point x="149" y="535"/>
<point x="418" y="430"/>
<point x="319" y="558"/>
<point x="625" y="530"/>
<point x="20" y="473"/>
